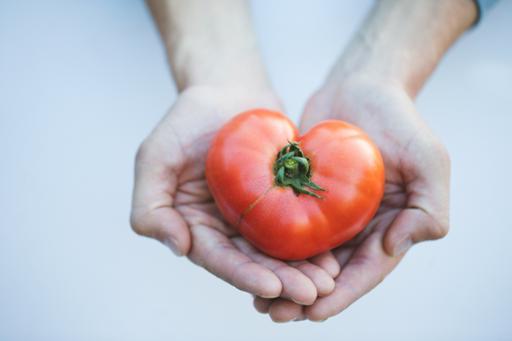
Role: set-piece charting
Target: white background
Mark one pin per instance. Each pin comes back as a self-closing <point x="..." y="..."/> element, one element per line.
<point x="82" y="84"/>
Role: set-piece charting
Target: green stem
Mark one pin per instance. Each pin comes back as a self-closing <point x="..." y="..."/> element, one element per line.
<point x="293" y="169"/>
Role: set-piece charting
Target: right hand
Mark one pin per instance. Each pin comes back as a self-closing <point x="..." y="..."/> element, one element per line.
<point x="172" y="204"/>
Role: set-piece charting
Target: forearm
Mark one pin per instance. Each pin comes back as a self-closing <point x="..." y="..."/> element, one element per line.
<point x="402" y="41"/>
<point x="209" y="42"/>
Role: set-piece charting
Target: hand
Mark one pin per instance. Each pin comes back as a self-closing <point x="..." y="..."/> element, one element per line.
<point x="373" y="85"/>
<point x="172" y="203"/>
<point x="415" y="203"/>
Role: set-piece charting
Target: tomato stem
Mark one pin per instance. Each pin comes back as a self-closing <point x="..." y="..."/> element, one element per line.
<point x="293" y="169"/>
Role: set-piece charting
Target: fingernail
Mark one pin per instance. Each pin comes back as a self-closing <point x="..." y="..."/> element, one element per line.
<point x="300" y="318"/>
<point x="300" y="302"/>
<point x="402" y="246"/>
<point x="320" y="321"/>
<point x="293" y="299"/>
<point x="268" y="296"/>
<point x="173" y="245"/>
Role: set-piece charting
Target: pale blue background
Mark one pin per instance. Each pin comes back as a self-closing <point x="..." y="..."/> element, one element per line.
<point x="81" y="85"/>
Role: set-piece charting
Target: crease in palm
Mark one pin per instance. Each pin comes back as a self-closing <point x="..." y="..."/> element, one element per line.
<point x="388" y="116"/>
<point x="297" y="290"/>
<point x="214" y="245"/>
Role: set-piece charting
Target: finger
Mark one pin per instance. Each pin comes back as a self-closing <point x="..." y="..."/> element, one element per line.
<point x="358" y="239"/>
<point x="217" y="254"/>
<point x="165" y="225"/>
<point x="328" y="262"/>
<point x="343" y="255"/>
<point x="296" y="286"/>
<point x="152" y="212"/>
<point x="261" y="304"/>
<point x="366" y="268"/>
<point x="411" y="225"/>
<point x="282" y="310"/>
<point x="427" y="213"/>
<point x="323" y="281"/>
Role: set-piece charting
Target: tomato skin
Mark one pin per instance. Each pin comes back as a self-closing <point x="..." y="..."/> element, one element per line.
<point x="344" y="161"/>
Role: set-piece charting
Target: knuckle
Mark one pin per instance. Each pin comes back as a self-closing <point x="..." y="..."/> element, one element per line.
<point x="439" y="231"/>
<point x="138" y="224"/>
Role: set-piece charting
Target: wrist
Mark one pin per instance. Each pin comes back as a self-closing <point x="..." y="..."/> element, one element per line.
<point x="231" y="67"/>
<point x="227" y="100"/>
<point x="402" y="41"/>
<point x="362" y="66"/>
<point x="210" y="42"/>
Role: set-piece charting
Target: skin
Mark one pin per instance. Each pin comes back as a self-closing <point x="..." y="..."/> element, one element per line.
<point x="276" y="220"/>
<point x="373" y="85"/>
<point x="218" y="71"/>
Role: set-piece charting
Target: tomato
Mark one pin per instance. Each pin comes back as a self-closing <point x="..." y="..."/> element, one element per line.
<point x="294" y="196"/>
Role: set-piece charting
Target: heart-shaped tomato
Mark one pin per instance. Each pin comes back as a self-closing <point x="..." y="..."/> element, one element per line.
<point x="294" y="196"/>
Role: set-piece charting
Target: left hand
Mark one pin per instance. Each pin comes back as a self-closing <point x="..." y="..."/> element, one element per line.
<point x="416" y="198"/>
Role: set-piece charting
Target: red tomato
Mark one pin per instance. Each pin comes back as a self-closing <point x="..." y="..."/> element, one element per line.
<point x="293" y="196"/>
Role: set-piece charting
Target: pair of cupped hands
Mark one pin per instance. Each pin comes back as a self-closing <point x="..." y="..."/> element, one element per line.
<point x="172" y="204"/>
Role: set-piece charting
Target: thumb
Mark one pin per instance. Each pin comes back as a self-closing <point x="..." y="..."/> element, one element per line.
<point x="152" y="212"/>
<point x="164" y="224"/>
<point x="411" y="226"/>
<point x="426" y="216"/>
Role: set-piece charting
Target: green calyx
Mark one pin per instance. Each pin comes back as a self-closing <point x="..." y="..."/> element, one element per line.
<point x="292" y="169"/>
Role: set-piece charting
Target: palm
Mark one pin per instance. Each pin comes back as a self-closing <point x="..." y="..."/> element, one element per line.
<point x="175" y="153"/>
<point x="386" y="117"/>
<point x="416" y="168"/>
